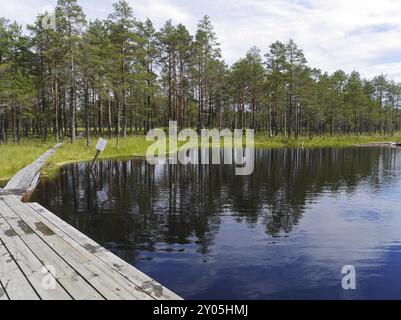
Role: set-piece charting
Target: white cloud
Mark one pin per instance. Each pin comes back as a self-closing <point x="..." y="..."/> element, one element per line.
<point x="159" y="11"/>
<point x="21" y="11"/>
<point x="335" y="34"/>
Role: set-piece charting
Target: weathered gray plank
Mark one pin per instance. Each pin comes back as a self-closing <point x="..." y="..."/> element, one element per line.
<point x="105" y="279"/>
<point x="71" y="280"/>
<point x="93" y="261"/>
<point x="84" y="267"/>
<point x="27" y="179"/>
<point x="134" y="275"/>
<point x="30" y="265"/>
<point x="3" y="295"/>
<point x="13" y="280"/>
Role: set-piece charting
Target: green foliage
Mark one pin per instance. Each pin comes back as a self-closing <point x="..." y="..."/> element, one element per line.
<point x="120" y="76"/>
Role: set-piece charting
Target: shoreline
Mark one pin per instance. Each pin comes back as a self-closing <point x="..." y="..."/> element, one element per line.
<point x="136" y="146"/>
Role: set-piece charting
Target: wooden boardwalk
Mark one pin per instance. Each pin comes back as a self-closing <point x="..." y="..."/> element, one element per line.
<point x="26" y="180"/>
<point x="44" y="258"/>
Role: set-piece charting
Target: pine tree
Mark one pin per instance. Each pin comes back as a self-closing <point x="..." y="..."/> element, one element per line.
<point x="70" y="21"/>
<point x="276" y="68"/>
<point x="124" y="42"/>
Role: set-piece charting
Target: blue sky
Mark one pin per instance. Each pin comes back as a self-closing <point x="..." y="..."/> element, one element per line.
<point x="361" y="35"/>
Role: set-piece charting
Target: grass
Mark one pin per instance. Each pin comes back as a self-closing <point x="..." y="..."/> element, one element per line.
<point x="14" y="157"/>
<point x="70" y="153"/>
<point x="132" y="146"/>
<point x="325" y="141"/>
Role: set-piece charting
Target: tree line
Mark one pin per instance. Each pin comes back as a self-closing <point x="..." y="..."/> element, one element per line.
<point x="121" y="76"/>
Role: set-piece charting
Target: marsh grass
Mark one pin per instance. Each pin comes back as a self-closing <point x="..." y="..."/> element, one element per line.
<point x="132" y="146"/>
<point x="14" y="157"/>
<point x="262" y="141"/>
<point x="70" y="153"/>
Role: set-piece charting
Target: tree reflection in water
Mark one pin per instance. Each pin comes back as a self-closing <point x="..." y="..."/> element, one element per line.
<point x="164" y="208"/>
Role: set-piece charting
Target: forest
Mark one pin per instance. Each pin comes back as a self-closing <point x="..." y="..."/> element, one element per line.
<point x="120" y="76"/>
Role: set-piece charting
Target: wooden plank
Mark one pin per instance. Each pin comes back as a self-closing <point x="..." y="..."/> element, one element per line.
<point x="93" y="262"/>
<point x="76" y="285"/>
<point x="29" y="264"/>
<point x="84" y="267"/>
<point x="134" y="275"/>
<point x="3" y="294"/>
<point x="68" y="277"/>
<point x="28" y="178"/>
<point x="104" y="278"/>
<point x="13" y="280"/>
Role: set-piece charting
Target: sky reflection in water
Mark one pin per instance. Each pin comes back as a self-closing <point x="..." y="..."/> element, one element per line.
<point x="283" y="233"/>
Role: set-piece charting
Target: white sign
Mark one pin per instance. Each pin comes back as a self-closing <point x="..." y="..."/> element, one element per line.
<point x="101" y="145"/>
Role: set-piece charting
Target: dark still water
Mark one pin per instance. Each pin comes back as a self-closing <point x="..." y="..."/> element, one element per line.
<point x="283" y="233"/>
